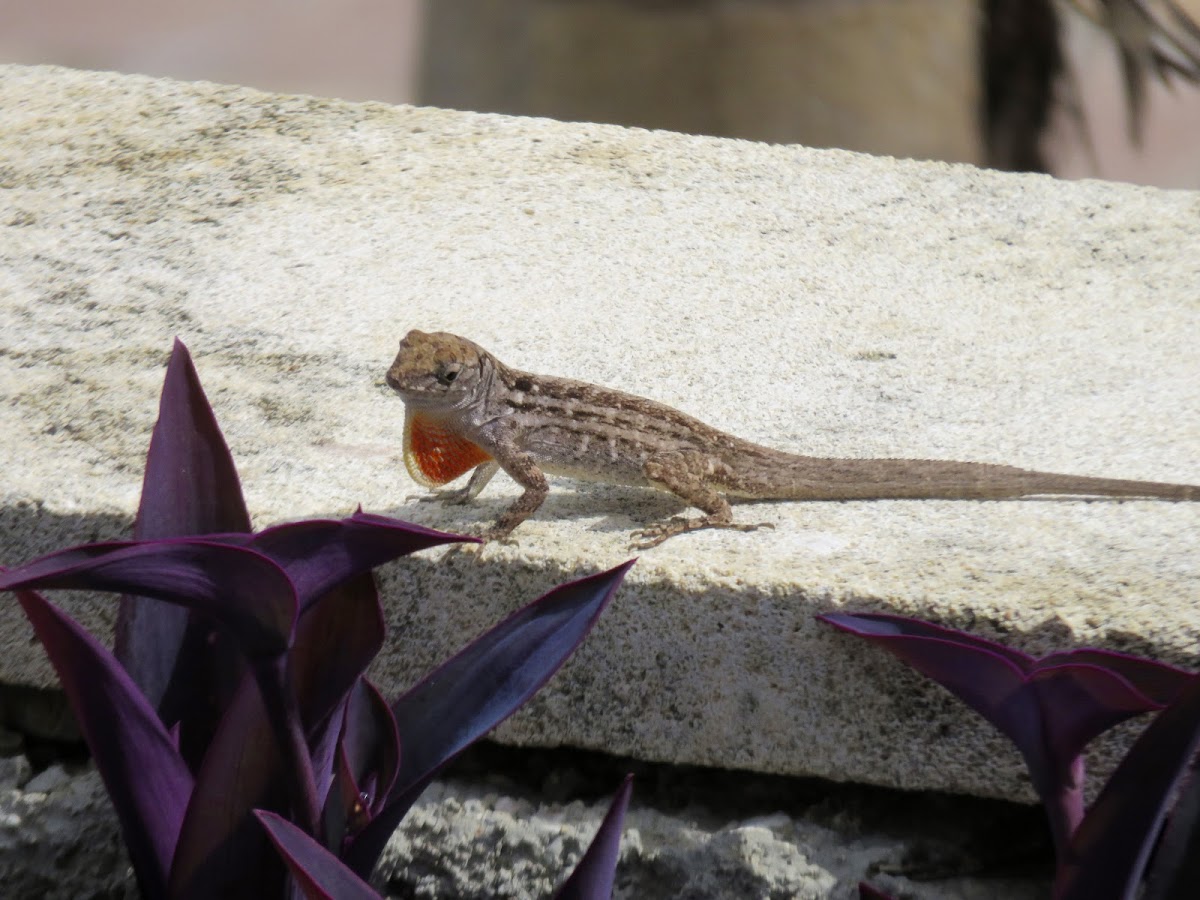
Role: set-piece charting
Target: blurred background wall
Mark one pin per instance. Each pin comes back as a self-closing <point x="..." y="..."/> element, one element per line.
<point x="910" y="78"/>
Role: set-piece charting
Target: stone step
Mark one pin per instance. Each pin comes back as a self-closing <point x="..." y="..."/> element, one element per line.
<point x="817" y="301"/>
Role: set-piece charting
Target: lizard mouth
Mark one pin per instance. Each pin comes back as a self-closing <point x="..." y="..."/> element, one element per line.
<point x="406" y="391"/>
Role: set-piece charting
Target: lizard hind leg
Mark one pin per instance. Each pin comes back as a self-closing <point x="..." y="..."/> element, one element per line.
<point x="688" y="474"/>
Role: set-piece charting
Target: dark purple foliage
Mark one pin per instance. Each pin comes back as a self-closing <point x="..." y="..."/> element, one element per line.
<point x="190" y="487"/>
<point x="319" y="874"/>
<point x="593" y="876"/>
<point x="237" y="587"/>
<point x="1049" y="707"/>
<point x="866" y="892"/>
<point x="141" y="767"/>
<point x="1110" y="851"/>
<point x="262" y="676"/>
<point x="322" y="876"/>
<point x="484" y="684"/>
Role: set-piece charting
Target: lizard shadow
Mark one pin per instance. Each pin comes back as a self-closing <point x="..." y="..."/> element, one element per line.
<point x="617" y="508"/>
<point x="621" y="508"/>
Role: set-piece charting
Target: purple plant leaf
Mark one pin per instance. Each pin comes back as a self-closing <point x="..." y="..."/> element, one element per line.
<point x="480" y="687"/>
<point x="190" y="487"/>
<point x="1159" y="682"/>
<point x="1175" y="871"/>
<point x="1111" y="847"/>
<point x="318" y="554"/>
<point x="283" y="712"/>
<point x="344" y="814"/>
<point x="1085" y="701"/>
<point x="319" y="874"/>
<point x="987" y="681"/>
<point x="593" y="876"/>
<point x="241" y="588"/>
<point x="884" y="625"/>
<point x="866" y="892"/>
<point x="336" y="639"/>
<point x="221" y="851"/>
<point x="1050" y="711"/>
<point x="371" y="743"/>
<point x="146" y="778"/>
<point x="326" y="751"/>
<point x="367" y="761"/>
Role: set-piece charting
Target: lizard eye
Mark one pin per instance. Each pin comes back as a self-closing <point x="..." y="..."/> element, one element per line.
<point x="447" y="375"/>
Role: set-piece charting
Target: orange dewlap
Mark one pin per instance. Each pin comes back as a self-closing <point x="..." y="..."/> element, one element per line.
<point x="433" y="455"/>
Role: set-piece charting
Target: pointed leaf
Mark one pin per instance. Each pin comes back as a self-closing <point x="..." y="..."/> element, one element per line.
<point x="480" y="687"/>
<point x="318" y="554"/>
<point x="1073" y="696"/>
<point x="1159" y="682"/>
<point x="495" y="674"/>
<point x="319" y="874"/>
<point x="371" y="742"/>
<point x="239" y="587"/>
<point x="326" y="752"/>
<point x="1050" y="712"/>
<point x="1111" y="847"/>
<point x="336" y="639"/>
<point x="190" y="487"/>
<point x="367" y="761"/>
<point x="883" y="625"/>
<point x="1082" y="702"/>
<point x="343" y="814"/>
<point x="988" y="681"/>
<point x="221" y="849"/>
<point x="142" y="770"/>
<point x="593" y="877"/>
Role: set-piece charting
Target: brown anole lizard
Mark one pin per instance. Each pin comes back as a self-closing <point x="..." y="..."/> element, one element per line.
<point x="464" y="409"/>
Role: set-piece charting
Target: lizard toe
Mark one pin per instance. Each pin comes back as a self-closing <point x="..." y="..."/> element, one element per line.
<point x="753" y="527"/>
<point x="655" y="534"/>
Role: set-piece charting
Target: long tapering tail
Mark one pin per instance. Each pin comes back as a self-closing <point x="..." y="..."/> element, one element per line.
<point x="813" y="478"/>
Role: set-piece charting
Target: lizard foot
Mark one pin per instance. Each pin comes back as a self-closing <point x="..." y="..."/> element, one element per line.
<point x="653" y="535"/>
<point x="466" y="552"/>
<point x="498" y="536"/>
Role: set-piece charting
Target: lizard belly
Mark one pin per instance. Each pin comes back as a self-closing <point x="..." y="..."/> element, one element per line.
<point x="596" y="459"/>
<point x="615" y="474"/>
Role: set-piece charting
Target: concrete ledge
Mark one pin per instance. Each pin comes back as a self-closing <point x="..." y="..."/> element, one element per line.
<point x="817" y="301"/>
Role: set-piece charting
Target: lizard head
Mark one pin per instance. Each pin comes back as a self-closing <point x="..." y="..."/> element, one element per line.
<point x="436" y="370"/>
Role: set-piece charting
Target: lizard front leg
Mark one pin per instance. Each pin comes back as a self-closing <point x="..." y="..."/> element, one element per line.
<point x="688" y="474"/>
<point x="521" y="467"/>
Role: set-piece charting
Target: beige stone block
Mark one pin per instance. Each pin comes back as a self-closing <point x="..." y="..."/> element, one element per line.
<point x="821" y="302"/>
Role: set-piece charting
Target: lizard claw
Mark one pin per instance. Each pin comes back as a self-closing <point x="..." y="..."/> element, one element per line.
<point x="653" y="535"/>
